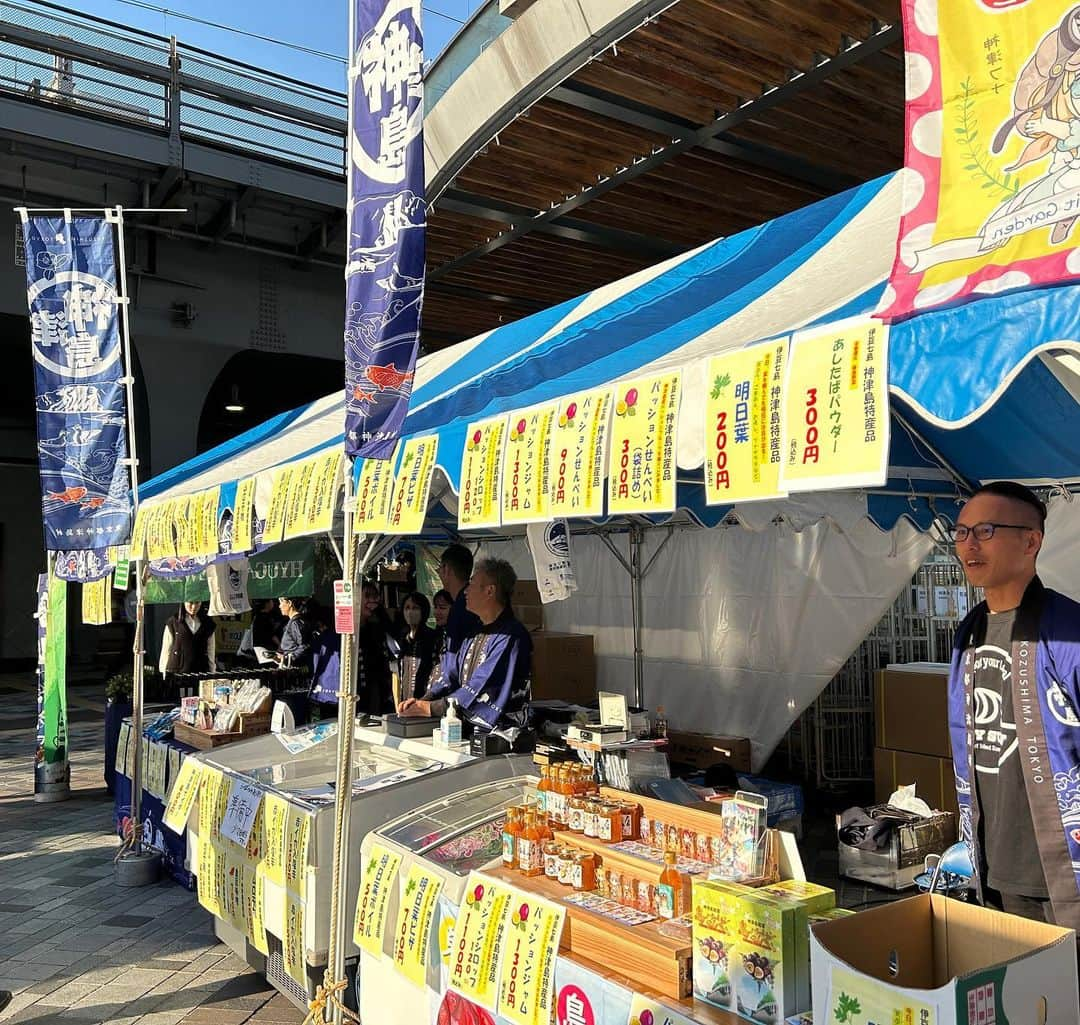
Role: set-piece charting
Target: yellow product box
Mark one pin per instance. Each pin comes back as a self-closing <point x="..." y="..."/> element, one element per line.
<point x="811" y="896"/>
<point x="751" y="952"/>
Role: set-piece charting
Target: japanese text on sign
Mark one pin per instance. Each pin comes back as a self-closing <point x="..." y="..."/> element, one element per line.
<point x="577" y="454"/>
<point x="481" y="466"/>
<point x="526" y="475"/>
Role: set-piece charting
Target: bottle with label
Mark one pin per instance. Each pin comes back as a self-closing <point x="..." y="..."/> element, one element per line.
<point x="511" y="831"/>
<point x="530" y="856"/>
<point x="660" y="725"/>
<point x="669" y="892"/>
<point x="543" y="789"/>
<point x="566" y="791"/>
<point x="450" y="726"/>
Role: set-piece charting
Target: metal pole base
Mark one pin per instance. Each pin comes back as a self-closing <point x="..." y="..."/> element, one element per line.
<point x="47" y="793"/>
<point x="142" y="869"/>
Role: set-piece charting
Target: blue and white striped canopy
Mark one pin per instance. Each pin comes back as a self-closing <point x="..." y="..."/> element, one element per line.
<point x="983" y="391"/>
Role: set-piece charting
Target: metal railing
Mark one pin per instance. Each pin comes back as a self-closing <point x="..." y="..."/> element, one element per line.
<point x="51" y="55"/>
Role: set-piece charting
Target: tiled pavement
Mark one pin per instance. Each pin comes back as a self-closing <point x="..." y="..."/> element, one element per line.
<point x="74" y="947"/>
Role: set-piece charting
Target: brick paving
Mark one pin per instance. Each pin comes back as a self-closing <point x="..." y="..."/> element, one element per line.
<point x="74" y="947"/>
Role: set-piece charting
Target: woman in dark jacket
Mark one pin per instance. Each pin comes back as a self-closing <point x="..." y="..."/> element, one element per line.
<point x="419" y="645"/>
<point x="296" y="647"/>
<point x="187" y="644"/>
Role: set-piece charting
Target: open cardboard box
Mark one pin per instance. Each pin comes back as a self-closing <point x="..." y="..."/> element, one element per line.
<point x="937" y="961"/>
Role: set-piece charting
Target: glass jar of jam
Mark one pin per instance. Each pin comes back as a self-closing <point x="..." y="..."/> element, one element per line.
<point x="630" y="814"/>
<point x="592" y="824"/>
<point x="551" y="859"/>
<point x="565" y="865"/>
<point x="584" y="878"/>
<point x="609" y="823"/>
<point x="577" y="814"/>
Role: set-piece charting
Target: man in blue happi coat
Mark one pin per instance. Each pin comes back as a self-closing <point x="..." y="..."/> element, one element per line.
<point x="1014" y="692"/>
<point x="489" y="676"/>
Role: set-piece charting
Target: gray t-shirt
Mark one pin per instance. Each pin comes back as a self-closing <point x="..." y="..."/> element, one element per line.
<point x="1007" y="835"/>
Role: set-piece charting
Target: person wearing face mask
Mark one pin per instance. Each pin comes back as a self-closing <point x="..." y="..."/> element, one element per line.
<point x="187" y="644"/>
<point x="419" y="645"/>
<point x="374" y="691"/>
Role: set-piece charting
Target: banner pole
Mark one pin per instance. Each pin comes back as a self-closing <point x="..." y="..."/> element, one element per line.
<point x="135" y="873"/>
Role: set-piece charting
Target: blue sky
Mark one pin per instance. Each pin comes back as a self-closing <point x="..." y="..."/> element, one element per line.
<point x="316" y="24"/>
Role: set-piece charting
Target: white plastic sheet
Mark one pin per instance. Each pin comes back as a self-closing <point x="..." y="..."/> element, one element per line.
<point x="742" y="628"/>
<point x="1059" y="560"/>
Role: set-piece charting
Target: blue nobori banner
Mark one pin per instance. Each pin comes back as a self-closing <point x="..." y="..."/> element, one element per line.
<point x="384" y="273"/>
<point x="78" y="371"/>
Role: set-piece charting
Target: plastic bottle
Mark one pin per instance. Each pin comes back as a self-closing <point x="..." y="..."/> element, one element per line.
<point x="669" y="896"/>
<point x="450" y="726"/>
<point x="511" y="831"/>
<point x="660" y="725"/>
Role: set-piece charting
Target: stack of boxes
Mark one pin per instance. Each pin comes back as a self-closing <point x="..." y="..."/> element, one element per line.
<point x="911" y="717"/>
<point x="751" y="947"/>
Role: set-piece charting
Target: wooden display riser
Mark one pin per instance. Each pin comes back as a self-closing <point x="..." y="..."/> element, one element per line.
<point x="643" y="950"/>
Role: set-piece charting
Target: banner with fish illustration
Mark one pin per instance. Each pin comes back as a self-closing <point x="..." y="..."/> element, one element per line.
<point x="78" y="367"/>
<point x="991" y="191"/>
<point x="387" y="219"/>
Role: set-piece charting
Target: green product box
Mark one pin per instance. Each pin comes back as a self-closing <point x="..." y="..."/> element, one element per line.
<point x="811" y="896"/>
<point x="751" y="952"/>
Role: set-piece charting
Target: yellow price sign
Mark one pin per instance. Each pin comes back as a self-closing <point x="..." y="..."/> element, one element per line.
<point x="526" y="474"/>
<point x="279" y="501"/>
<point x="184" y="792"/>
<point x="474" y="952"/>
<point x="296" y="503"/>
<point x="376" y="888"/>
<point x="243" y="515"/>
<point x="275" y="811"/>
<point x="413" y="484"/>
<point x="412" y="936"/>
<point x="527" y="973"/>
<point x="374" y="491"/>
<point x="321" y="498"/>
<point x="744" y="424"/>
<point x="479" y="504"/>
<point x="577" y="454"/>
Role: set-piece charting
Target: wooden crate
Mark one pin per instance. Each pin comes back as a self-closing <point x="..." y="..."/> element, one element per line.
<point x="206" y="740"/>
<point x="647" y="957"/>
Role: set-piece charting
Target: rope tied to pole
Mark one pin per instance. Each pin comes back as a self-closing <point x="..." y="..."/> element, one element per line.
<point x="328" y="995"/>
<point x="129" y="840"/>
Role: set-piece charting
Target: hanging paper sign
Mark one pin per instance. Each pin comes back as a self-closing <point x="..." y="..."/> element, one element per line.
<point x="527" y="466"/>
<point x="577" y="454"/>
<point x="279" y="501"/>
<point x="412" y="935"/>
<point x="527" y="973"/>
<point x="297" y="843"/>
<point x="344" y="607"/>
<point x="387" y="222"/>
<point x="209" y="505"/>
<point x="413" y="485"/>
<point x="275" y="810"/>
<point x="255" y="886"/>
<point x="374" y="491"/>
<point x="473" y="956"/>
<point x="744" y="424"/>
<point x="96" y="602"/>
<point x="293" y="941"/>
<point x="137" y="548"/>
<point x="322" y="493"/>
<point x="242" y="807"/>
<point x="78" y="373"/>
<point x="836" y="421"/>
<point x="120" y="761"/>
<point x="184" y="791"/>
<point x="641" y="463"/>
<point x="207" y="875"/>
<point x="989" y="193"/>
<point x="479" y="505"/>
<point x="184" y="526"/>
<point x="243" y="514"/>
<point x="160" y="542"/>
<point x="380" y="876"/>
<point x="210" y="787"/>
<point x="296" y="503"/>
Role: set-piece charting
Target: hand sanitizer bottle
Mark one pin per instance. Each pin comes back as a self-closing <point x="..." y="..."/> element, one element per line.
<point x="450" y="726"/>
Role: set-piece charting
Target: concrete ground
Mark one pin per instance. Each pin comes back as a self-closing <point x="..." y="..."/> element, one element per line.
<point x="74" y="947"/>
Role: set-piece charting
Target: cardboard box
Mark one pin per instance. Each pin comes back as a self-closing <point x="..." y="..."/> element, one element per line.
<point x="700" y="750"/>
<point x="932" y="959"/>
<point x="751" y="951"/>
<point x="896" y="866"/>
<point x="563" y="667"/>
<point x="525" y="601"/>
<point x="911" y="708"/>
<point x="934" y="779"/>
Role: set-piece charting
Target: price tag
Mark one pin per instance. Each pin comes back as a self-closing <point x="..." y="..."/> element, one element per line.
<point x="344" y="610"/>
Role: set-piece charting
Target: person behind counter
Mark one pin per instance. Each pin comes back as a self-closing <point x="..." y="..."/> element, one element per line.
<point x="187" y="644"/>
<point x="419" y="645"/>
<point x="440" y="609"/>
<point x="296" y="647"/>
<point x="489" y="677"/>
<point x="374" y="690"/>
<point x="455" y="569"/>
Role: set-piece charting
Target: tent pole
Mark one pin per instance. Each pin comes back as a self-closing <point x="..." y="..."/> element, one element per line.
<point x="958" y="478"/>
<point x="637" y="599"/>
<point x="335" y="969"/>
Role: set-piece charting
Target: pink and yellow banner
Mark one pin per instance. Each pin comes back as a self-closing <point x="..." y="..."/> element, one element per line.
<point x="479" y="503"/>
<point x="744" y="424"/>
<point x="413" y="484"/>
<point x="577" y="454"/>
<point x="526" y="475"/>
<point x="991" y="190"/>
<point x="836" y="410"/>
<point x="641" y="460"/>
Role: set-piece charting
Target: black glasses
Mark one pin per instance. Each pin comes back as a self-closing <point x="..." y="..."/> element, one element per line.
<point x="982" y="531"/>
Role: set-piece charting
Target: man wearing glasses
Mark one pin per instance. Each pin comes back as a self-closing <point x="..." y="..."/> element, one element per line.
<point x="1014" y="691"/>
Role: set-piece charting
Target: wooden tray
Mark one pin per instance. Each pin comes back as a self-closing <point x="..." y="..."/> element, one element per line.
<point x="645" y="956"/>
<point x="206" y="740"/>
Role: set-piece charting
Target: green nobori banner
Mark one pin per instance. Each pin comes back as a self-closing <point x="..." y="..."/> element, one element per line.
<point x="287" y="570"/>
<point x="51" y="771"/>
